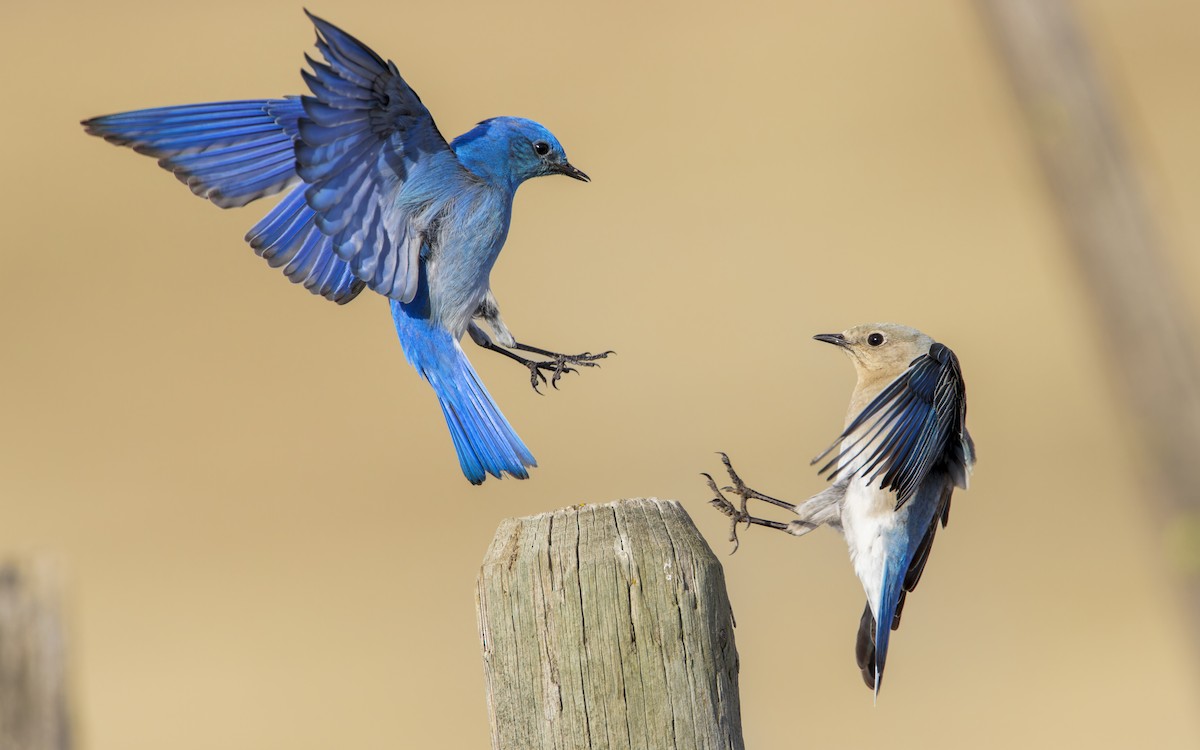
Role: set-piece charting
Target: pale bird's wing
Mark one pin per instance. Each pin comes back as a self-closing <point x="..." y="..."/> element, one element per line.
<point x="912" y="426"/>
<point x="374" y="161"/>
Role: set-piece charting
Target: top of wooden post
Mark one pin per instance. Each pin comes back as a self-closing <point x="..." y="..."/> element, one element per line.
<point x="608" y="626"/>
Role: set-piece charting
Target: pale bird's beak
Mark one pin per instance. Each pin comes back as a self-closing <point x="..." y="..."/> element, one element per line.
<point x="571" y="171"/>
<point x="836" y="339"/>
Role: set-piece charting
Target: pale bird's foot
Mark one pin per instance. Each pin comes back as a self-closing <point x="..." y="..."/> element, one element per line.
<point x="721" y="503"/>
<point x="740" y="514"/>
<point x="556" y="365"/>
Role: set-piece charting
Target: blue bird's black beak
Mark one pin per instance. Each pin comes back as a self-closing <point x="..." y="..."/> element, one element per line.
<point x="571" y="171"/>
<point x="836" y="339"/>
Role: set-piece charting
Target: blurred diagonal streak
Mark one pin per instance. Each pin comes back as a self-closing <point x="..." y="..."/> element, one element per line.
<point x="34" y="710"/>
<point x="1143" y="316"/>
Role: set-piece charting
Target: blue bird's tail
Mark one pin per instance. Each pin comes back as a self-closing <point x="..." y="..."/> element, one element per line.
<point x="485" y="441"/>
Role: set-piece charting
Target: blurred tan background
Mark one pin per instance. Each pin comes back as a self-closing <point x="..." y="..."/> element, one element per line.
<point x="256" y="502"/>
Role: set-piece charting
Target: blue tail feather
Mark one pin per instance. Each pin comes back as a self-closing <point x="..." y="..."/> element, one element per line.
<point x="486" y="443"/>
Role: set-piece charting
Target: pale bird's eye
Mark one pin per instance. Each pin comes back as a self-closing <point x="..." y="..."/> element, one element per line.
<point x="541" y="148"/>
<point x="875" y="339"/>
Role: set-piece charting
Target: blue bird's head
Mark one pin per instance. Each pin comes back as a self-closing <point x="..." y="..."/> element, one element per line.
<point x="510" y="150"/>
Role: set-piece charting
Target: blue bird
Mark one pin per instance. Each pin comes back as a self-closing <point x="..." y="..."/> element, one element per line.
<point x="894" y="467"/>
<point x="376" y="198"/>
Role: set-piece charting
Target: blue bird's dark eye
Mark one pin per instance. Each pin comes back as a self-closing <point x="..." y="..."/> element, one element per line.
<point x="541" y="148"/>
<point x="875" y="339"/>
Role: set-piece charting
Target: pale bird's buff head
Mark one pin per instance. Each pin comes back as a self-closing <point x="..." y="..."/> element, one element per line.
<point x="879" y="350"/>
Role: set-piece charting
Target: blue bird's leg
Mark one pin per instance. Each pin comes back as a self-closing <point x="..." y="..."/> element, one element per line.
<point x="489" y="312"/>
<point x="535" y="367"/>
<point x="560" y="363"/>
<point x="481" y="339"/>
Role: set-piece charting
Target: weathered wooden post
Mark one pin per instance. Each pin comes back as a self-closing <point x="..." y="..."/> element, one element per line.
<point x="33" y="694"/>
<point x="608" y="626"/>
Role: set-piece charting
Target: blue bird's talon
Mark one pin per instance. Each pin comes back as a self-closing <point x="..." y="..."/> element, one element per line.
<point x="557" y="366"/>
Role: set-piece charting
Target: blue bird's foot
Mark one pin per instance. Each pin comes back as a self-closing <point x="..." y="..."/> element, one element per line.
<point x="741" y="514"/>
<point x="556" y="365"/>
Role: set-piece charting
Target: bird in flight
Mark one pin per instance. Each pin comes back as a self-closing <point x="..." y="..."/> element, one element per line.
<point x="376" y="197"/>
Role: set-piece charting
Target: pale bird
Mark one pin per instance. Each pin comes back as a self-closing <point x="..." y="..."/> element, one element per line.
<point x="904" y="449"/>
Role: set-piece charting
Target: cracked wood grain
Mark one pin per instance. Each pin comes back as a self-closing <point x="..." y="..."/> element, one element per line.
<point x="608" y="627"/>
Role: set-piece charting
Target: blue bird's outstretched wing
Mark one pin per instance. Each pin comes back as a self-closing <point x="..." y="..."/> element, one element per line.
<point x="228" y="152"/>
<point x="914" y="425"/>
<point x="374" y="160"/>
<point x="288" y="237"/>
<point x="233" y="153"/>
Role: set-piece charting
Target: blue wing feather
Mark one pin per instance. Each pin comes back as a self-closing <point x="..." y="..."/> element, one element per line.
<point x="228" y="152"/>
<point x="233" y="153"/>
<point x="332" y="87"/>
<point x="914" y="425"/>
<point x="288" y="236"/>
<point x="374" y="160"/>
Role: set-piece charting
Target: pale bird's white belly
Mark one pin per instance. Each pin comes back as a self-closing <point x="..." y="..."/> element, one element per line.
<point x="868" y="520"/>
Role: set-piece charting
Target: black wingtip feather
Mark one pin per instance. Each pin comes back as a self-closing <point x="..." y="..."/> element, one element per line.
<point x="864" y="647"/>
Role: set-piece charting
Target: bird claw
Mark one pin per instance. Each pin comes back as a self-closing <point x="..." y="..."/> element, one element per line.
<point x="739" y="513"/>
<point x="721" y="503"/>
<point x="559" y="365"/>
<point x="739" y="487"/>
